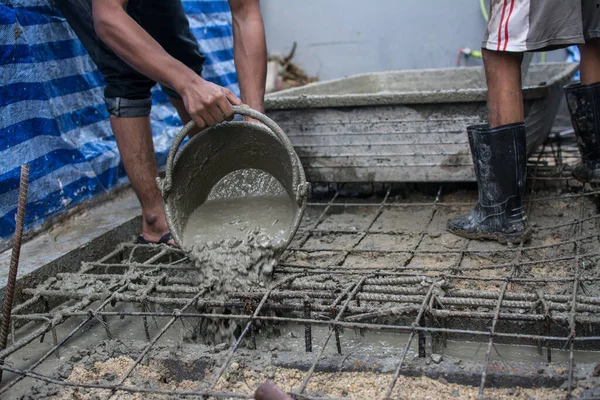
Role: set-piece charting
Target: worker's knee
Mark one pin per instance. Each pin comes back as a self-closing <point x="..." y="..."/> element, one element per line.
<point x="128" y="96"/>
<point x="501" y="58"/>
<point x="128" y="108"/>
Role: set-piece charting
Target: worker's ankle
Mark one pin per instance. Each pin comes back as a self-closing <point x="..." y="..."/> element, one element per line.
<point x="151" y="218"/>
<point x="154" y="222"/>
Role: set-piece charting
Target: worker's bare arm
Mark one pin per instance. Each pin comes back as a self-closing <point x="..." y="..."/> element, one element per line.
<point x="207" y="103"/>
<point x="250" y="50"/>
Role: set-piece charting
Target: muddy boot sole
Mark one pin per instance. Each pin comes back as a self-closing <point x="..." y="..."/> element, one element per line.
<point x="584" y="177"/>
<point x="502" y="238"/>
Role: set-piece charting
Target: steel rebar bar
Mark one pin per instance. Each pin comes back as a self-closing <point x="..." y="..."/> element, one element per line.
<point x="9" y="292"/>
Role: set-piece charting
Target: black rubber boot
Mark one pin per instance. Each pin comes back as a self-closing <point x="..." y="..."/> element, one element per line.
<point x="499" y="156"/>
<point x="584" y="104"/>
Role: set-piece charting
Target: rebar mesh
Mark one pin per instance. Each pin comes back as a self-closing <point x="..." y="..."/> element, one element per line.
<point x="377" y="264"/>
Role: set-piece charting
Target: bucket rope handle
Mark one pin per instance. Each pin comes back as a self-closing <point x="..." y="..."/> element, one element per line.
<point x="298" y="176"/>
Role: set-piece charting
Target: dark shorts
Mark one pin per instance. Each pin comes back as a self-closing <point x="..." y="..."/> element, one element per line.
<point x="127" y="92"/>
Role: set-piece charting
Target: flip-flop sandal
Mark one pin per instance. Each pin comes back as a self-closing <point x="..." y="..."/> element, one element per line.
<point x="163" y="240"/>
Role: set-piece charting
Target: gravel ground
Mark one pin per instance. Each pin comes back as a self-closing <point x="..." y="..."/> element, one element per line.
<point x="355" y="385"/>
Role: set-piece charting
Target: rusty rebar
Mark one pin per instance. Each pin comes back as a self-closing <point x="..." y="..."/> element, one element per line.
<point x="14" y="260"/>
<point x="307" y="328"/>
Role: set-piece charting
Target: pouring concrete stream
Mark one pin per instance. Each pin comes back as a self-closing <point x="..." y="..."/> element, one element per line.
<point x="234" y="197"/>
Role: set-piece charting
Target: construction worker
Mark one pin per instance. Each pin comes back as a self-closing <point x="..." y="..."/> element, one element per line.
<point x="137" y="43"/>
<point x="499" y="148"/>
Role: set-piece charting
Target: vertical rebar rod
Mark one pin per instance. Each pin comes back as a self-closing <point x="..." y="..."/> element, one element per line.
<point x="351" y="295"/>
<point x="488" y="354"/>
<point x="54" y="336"/>
<point x="422" y="344"/>
<point x="409" y="341"/>
<point x="307" y="328"/>
<point x="251" y="319"/>
<point x="14" y="260"/>
<point x="336" y="329"/>
<point x="572" y="317"/>
<point x="347" y="251"/>
<point x="546" y="324"/>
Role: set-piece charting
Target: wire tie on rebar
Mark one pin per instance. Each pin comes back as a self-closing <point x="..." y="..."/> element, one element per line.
<point x="94" y="315"/>
<point x="569" y="340"/>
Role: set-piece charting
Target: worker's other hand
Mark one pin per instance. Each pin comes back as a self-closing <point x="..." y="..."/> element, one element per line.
<point x="208" y="104"/>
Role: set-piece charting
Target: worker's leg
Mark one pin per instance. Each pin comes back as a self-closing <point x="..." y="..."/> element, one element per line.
<point x="128" y="100"/>
<point x="503" y="77"/>
<point x="499" y="148"/>
<point x="134" y="139"/>
<point x="590" y="61"/>
<point x="499" y="152"/>
<point x="590" y="51"/>
<point x="583" y="100"/>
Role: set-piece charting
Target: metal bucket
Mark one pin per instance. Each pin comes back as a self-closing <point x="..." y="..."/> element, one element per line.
<point x="212" y="164"/>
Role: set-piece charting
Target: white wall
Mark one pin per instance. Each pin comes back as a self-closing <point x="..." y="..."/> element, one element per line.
<point x="343" y="37"/>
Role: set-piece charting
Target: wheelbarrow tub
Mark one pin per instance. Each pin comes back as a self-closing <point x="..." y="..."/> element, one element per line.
<point x="404" y="126"/>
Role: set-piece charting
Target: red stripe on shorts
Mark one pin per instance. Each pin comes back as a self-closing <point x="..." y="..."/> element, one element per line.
<point x="512" y="5"/>
<point x="500" y="25"/>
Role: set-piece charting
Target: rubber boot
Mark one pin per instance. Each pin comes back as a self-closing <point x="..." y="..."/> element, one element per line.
<point x="499" y="156"/>
<point x="584" y="104"/>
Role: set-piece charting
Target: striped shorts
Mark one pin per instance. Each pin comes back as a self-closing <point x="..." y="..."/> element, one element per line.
<point x="540" y="25"/>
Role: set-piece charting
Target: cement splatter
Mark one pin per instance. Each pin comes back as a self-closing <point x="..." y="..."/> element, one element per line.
<point x="234" y="244"/>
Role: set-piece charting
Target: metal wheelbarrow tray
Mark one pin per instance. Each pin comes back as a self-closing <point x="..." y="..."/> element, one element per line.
<point x="404" y="126"/>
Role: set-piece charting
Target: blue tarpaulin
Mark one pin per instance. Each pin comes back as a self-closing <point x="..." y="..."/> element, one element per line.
<point x="52" y="112"/>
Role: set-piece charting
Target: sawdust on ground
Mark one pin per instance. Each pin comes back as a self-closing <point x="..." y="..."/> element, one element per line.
<point x="357" y="385"/>
<point x="112" y="371"/>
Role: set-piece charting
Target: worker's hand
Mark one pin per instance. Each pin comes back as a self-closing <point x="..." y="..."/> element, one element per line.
<point x="208" y="104"/>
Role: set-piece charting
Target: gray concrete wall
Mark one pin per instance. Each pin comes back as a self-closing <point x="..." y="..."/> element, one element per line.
<point x="343" y="37"/>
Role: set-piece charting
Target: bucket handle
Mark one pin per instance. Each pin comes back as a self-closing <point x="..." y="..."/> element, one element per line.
<point x="298" y="178"/>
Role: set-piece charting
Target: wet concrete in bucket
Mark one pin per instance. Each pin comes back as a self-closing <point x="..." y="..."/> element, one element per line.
<point x="221" y="219"/>
<point x="235" y="237"/>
